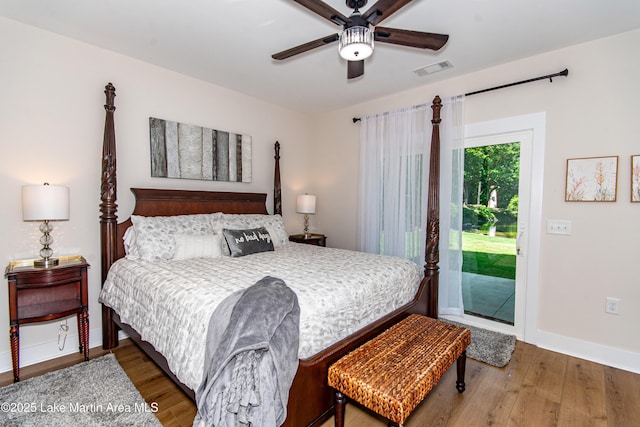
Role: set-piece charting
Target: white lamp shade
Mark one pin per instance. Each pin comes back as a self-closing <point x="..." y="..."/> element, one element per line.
<point x="306" y="204"/>
<point x="45" y="202"/>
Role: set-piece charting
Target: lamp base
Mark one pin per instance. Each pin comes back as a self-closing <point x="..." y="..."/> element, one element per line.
<point x="306" y="227"/>
<point x="46" y="262"/>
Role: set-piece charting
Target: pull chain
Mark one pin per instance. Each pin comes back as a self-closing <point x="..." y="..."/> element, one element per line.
<point x="64" y="328"/>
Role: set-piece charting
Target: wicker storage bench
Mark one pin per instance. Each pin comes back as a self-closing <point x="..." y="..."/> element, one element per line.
<point x="392" y="373"/>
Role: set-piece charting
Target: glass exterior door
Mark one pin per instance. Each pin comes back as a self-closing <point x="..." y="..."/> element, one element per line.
<point x="503" y="224"/>
<point x="490" y="228"/>
<point x="497" y="194"/>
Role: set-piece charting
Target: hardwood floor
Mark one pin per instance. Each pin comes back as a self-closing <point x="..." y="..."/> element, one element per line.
<point x="537" y="388"/>
<point x="175" y="409"/>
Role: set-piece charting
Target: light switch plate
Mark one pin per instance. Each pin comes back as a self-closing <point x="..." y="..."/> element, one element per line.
<point x="559" y="226"/>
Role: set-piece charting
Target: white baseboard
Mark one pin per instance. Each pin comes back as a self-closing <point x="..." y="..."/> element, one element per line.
<point x="30" y="355"/>
<point x="605" y="355"/>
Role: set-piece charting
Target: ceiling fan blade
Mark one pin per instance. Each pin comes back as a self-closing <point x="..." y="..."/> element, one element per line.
<point x="321" y="8"/>
<point x="382" y="9"/>
<point x="410" y="38"/>
<point x="305" y="47"/>
<point x="355" y="69"/>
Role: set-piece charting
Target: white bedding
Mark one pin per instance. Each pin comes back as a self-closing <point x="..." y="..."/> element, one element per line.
<point x="339" y="291"/>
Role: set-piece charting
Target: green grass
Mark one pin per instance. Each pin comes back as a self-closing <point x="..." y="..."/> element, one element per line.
<point x="491" y="256"/>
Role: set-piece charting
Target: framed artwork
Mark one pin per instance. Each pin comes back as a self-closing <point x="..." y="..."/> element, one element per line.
<point x="592" y="179"/>
<point x="635" y="178"/>
<point x="180" y="150"/>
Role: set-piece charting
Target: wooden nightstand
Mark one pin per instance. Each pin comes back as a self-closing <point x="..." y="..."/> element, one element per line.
<point x="313" y="239"/>
<point x="43" y="294"/>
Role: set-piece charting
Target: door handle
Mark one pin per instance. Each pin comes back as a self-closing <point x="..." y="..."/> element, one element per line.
<point x="518" y="242"/>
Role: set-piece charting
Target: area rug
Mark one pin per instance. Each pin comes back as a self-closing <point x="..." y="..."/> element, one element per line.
<point x="493" y="348"/>
<point x="93" y="393"/>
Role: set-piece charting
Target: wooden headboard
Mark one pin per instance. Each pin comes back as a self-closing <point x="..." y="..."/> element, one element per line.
<point x="155" y="202"/>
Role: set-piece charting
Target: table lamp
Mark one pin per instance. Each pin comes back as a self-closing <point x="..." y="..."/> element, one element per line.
<point x="306" y="204"/>
<point x="45" y="203"/>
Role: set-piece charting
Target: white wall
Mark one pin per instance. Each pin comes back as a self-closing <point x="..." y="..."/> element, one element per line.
<point x="52" y="119"/>
<point x="592" y="112"/>
<point x="51" y="129"/>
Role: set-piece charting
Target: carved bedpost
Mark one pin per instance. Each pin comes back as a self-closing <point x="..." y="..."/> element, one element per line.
<point x="277" y="189"/>
<point x="108" y="210"/>
<point x="433" y="212"/>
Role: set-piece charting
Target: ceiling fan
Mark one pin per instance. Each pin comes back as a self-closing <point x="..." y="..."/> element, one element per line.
<point x="356" y="39"/>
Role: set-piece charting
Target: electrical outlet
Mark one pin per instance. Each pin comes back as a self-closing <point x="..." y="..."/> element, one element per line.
<point x="558" y="226"/>
<point x="612" y="306"/>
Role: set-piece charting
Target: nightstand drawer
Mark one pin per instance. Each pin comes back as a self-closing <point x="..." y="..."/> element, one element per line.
<point x="47" y="278"/>
<point x="37" y="303"/>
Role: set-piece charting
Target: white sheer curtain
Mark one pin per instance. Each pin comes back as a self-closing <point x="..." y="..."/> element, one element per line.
<point x="451" y="185"/>
<point x="394" y="163"/>
<point x="393" y="185"/>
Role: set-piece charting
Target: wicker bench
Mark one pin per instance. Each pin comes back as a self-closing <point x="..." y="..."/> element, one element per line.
<point x="392" y="373"/>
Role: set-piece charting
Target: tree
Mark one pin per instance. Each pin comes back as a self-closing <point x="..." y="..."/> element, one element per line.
<point x="489" y="165"/>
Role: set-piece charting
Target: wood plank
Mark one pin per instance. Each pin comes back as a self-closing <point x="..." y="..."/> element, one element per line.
<point x="173" y="152"/>
<point x="183" y="413"/>
<point x="546" y="389"/>
<point x="222" y="151"/>
<point x="583" y="396"/>
<point x="498" y="391"/>
<point x="190" y="151"/>
<point x="623" y="397"/>
<point x="158" y="147"/>
<point x="539" y="397"/>
<point x="448" y="407"/>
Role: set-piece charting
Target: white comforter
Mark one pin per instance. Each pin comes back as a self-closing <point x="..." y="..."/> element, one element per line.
<point x="339" y="291"/>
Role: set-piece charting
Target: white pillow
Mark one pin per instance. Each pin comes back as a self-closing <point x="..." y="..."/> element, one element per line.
<point x="197" y="246"/>
<point x="154" y="234"/>
<point x="130" y="246"/>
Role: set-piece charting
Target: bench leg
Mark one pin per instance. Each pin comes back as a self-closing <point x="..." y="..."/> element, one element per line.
<point x="340" y="401"/>
<point x="461" y="365"/>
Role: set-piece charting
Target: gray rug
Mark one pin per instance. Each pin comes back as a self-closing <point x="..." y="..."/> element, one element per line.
<point x="493" y="348"/>
<point x="93" y="393"/>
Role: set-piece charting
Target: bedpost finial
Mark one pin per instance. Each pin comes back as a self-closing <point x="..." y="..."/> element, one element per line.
<point x="436" y="106"/>
<point x="110" y="92"/>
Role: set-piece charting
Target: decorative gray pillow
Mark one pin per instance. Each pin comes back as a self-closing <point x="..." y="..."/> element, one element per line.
<point x="273" y="224"/>
<point x="249" y="241"/>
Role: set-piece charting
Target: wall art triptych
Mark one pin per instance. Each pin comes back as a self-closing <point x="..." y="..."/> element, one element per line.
<point x="180" y="150"/>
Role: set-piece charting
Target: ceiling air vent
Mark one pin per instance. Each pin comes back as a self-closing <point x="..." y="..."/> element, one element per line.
<point x="433" y="68"/>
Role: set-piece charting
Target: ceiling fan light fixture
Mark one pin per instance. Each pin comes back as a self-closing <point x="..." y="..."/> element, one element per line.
<point x="356" y="43"/>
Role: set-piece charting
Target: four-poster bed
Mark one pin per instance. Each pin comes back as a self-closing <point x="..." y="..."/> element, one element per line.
<point x="310" y="398"/>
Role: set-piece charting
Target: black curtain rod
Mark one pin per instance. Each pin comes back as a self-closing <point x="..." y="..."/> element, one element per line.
<point x="563" y="73"/>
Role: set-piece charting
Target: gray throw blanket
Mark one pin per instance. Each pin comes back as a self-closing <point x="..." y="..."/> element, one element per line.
<point x="251" y="357"/>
